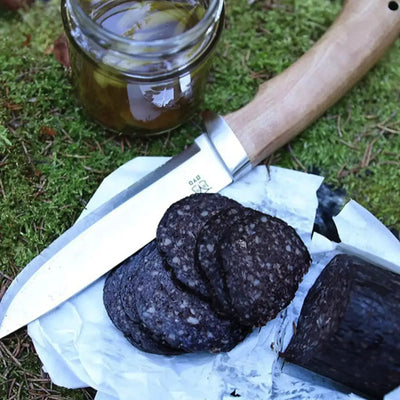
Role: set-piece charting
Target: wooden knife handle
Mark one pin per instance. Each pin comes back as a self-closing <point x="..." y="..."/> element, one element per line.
<point x="292" y="100"/>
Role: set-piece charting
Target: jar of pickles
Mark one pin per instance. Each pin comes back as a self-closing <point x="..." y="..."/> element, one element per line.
<point x="140" y="66"/>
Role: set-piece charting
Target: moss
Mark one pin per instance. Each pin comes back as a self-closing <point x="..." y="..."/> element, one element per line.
<point x="52" y="156"/>
<point x="366" y="120"/>
<point x="261" y="40"/>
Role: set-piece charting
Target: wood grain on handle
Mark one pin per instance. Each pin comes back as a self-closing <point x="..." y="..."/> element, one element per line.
<point x="292" y="100"/>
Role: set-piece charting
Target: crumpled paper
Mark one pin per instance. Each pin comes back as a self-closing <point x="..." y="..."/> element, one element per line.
<point x="79" y="346"/>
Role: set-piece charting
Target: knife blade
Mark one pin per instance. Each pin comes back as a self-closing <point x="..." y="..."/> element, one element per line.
<point x="282" y="108"/>
<point x="127" y="222"/>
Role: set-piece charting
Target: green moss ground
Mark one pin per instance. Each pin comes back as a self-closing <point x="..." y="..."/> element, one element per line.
<point x="52" y="157"/>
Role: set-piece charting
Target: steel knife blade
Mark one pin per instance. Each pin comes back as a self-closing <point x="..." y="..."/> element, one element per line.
<point x="282" y="108"/>
<point x="120" y="227"/>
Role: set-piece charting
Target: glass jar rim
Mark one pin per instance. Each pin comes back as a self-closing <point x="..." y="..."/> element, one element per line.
<point x="143" y="48"/>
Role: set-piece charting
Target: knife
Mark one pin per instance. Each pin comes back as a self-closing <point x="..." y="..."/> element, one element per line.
<point x="281" y="109"/>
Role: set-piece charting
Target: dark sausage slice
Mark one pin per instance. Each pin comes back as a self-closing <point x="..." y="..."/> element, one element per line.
<point x="118" y="282"/>
<point x="207" y="250"/>
<point x="177" y="233"/>
<point x="112" y="297"/>
<point x="264" y="261"/>
<point x="180" y="318"/>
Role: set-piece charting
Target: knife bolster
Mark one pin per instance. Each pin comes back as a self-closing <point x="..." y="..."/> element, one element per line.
<point x="227" y="145"/>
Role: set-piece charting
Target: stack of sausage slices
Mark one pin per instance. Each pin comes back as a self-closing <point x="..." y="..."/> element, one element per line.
<point x="215" y="271"/>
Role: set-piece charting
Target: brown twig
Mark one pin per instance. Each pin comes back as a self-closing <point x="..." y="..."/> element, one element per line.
<point x="390" y="162"/>
<point x="260" y="75"/>
<point x="338" y="126"/>
<point x="96" y="171"/>
<point x="40" y="188"/>
<point x="298" y="162"/>
<point x="28" y="157"/>
<point x="349" y="145"/>
<point x="4" y="349"/>
<point x="128" y="142"/>
<point x="386" y="129"/>
<point x="75" y="156"/>
<point x="3" y="161"/>
<point x="368" y="154"/>
<point x="226" y="50"/>
<point x="167" y="141"/>
<point x="99" y="147"/>
<point x="3" y="192"/>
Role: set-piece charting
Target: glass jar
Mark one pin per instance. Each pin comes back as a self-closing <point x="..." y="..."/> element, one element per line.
<point x="140" y="66"/>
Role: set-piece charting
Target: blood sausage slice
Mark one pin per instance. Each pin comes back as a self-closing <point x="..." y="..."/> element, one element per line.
<point x="207" y="249"/>
<point x="177" y="233"/>
<point x="128" y="286"/>
<point x="132" y="329"/>
<point x="112" y="297"/>
<point x="180" y="318"/>
<point x="264" y="261"/>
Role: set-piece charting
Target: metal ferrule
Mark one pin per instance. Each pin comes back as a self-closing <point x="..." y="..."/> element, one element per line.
<point x="227" y="145"/>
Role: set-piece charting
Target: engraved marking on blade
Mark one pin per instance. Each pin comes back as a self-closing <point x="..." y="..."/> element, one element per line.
<point x="199" y="185"/>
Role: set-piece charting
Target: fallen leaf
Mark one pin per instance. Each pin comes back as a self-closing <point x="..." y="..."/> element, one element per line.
<point x="47" y="131"/>
<point x="15" y="4"/>
<point x="12" y="106"/>
<point x="61" y="51"/>
<point x="27" y="40"/>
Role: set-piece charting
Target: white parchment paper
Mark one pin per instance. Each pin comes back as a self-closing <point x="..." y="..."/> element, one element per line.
<point x="79" y="346"/>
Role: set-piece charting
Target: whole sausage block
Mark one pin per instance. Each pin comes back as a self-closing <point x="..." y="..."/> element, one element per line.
<point x="349" y="327"/>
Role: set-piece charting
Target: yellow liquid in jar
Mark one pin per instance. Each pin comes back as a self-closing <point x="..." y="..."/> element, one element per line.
<point x="124" y="104"/>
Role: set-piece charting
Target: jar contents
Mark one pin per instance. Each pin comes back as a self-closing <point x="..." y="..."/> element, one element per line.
<point x="118" y="98"/>
<point x="148" y="20"/>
